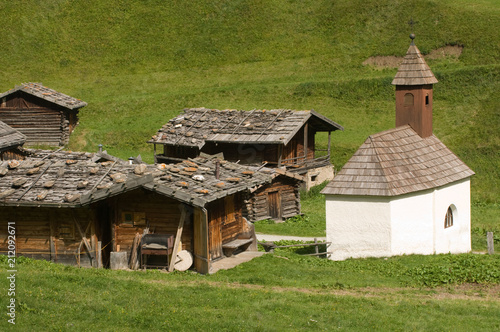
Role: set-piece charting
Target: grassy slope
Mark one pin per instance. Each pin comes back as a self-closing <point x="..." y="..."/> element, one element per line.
<point x="138" y="63"/>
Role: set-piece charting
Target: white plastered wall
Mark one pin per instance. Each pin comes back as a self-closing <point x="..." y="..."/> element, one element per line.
<point x="358" y="226"/>
<point x="412" y="220"/>
<point x="457" y="238"/>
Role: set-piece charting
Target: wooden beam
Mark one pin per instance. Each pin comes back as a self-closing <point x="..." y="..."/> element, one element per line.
<point x="52" y="238"/>
<point x="177" y="239"/>
<point x="329" y="143"/>
<point x="84" y="240"/>
<point x="306" y="137"/>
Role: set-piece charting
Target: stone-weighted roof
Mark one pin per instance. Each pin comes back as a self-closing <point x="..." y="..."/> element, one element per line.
<point x="9" y="137"/>
<point x="76" y="179"/>
<point x="40" y="91"/>
<point x="199" y="125"/>
<point x="397" y="162"/>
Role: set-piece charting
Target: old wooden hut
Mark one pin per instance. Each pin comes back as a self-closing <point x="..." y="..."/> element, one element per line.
<point x="11" y="142"/>
<point x="45" y="116"/>
<point x="277" y="200"/>
<point x="65" y="206"/>
<point x="278" y="138"/>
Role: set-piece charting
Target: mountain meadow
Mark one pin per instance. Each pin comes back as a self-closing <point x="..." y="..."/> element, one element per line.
<point x="138" y="63"/>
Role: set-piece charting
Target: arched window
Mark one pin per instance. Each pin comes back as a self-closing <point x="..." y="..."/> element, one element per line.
<point x="427" y="99"/>
<point x="448" y="219"/>
<point x="408" y="99"/>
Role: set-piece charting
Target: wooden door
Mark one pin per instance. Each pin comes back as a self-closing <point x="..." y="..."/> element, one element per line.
<point x="216" y="220"/>
<point x="274" y="204"/>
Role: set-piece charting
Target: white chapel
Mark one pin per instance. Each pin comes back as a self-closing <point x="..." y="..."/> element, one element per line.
<point x="403" y="191"/>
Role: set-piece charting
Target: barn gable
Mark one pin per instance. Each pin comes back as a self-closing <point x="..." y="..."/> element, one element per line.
<point x="44" y="115"/>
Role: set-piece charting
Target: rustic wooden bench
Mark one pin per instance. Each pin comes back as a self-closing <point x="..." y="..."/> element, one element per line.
<point x="230" y="247"/>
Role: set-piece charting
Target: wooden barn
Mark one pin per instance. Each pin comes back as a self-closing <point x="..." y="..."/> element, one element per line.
<point x="277" y="138"/>
<point x="45" y="116"/>
<point x="11" y="143"/>
<point x="67" y="206"/>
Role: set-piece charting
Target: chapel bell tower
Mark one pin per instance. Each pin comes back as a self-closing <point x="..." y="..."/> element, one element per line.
<point x="413" y="82"/>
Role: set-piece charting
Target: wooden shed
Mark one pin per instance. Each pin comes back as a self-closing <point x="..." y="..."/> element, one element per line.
<point x="65" y="206"/>
<point x="277" y="138"/>
<point x="11" y="142"/>
<point x="45" y="116"/>
<point x="277" y="200"/>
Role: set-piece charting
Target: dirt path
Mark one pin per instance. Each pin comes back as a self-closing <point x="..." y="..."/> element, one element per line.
<point x="460" y="292"/>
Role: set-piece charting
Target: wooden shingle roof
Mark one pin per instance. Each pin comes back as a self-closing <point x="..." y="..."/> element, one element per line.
<point x="9" y="137"/>
<point x="397" y="162"/>
<point x="199" y="125"/>
<point x="414" y="70"/>
<point x="40" y="91"/>
<point x="77" y="179"/>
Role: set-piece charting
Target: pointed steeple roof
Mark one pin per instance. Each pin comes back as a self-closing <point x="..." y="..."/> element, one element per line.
<point x="414" y="70"/>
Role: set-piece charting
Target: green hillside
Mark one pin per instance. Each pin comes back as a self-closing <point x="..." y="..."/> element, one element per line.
<point x="140" y="62"/>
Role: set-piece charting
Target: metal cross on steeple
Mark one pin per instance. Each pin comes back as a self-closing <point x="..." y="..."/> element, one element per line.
<point x="411" y="22"/>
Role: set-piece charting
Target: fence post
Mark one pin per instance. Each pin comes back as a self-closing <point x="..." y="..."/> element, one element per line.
<point x="316" y="245"/>
<point x="489" y="240"/>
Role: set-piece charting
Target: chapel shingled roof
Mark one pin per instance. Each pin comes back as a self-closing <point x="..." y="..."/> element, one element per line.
<point x="40" y="91"/>
<point x="62" y="178"/>
<point x="414" y="70"/>
<point x="9" y="137"/>
<point x="199" y="125"/>
<point x="396" y="162"/>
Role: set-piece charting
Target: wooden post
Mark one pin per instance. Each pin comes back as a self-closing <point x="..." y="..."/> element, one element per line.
<point x="200" y="234"/>
<point x="280" y="153"/>
<point x="316" y="249"/>
<point x="306" y="137"/>
<point x="99" y="254"/>
<point x="329" y="143"/>
<point x="489" y="240"/>
<point x="177" y="239"/>
<point x="52" y="238"/>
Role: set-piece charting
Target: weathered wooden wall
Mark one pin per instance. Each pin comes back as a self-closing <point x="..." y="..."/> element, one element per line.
<point x="225" y="223"/>
<point x="11" y="154"/>
<point x="258" y="204"/>
<point x="42" y="122"/>
<point x="162" y="214"/>
<point x="49" y="233"/>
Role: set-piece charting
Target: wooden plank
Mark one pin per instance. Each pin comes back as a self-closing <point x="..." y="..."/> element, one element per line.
<point x="200" y="235"/>
<point x="177" y="239"/>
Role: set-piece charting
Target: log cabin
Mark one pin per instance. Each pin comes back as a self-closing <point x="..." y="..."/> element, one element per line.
<point x="43" y="115"/>
<point x="11" y="143"/>
<point x="65" y="206"/>
<point x="278" y="138"/>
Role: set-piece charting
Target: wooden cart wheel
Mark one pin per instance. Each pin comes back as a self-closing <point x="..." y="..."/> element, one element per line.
<point x="183" y="261"/>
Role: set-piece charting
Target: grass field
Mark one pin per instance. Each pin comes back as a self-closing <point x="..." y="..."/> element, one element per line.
<point x="140" y="62"/>
<point x="276" y="292"/>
